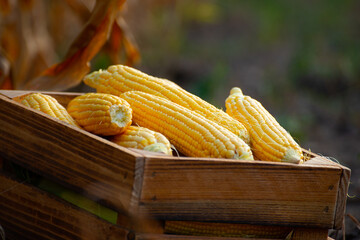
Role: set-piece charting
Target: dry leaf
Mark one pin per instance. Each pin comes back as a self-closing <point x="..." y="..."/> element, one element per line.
<point x="5" y="7"/>
<point x="131" y="49"/>
<point x="76" y="65"/>
<point x="81" y="8"/>
<point x="32" y="51"/>
<point x="121" y="38"/>
<point x="357" y="223"/>
<point x="25" y="41"/>
<point x="5" y="82"/>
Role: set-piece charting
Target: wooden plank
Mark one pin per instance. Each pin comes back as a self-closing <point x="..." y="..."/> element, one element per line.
<point x="341" y="198"/>
<point x="248" y="192"/>
<point x="342" y="188"/>
<point x="223" y="229"/>
<point x="298" y="234"/>
<point x="29" y="213"/>
<point x="310" y="234"/>
<point x="148" y="236"/>
<point x="82" y="161"/>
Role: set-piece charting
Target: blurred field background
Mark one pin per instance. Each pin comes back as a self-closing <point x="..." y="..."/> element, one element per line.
<point x="300" y="59"/>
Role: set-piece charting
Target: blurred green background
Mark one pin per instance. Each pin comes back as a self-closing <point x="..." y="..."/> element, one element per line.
<point x="299" y="58"/>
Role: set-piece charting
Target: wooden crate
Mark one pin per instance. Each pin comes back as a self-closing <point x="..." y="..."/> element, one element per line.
<point x="154" y="188"/>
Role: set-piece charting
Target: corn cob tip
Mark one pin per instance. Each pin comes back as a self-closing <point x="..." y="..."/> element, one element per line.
<point x="292" y="156"/>
<point x="92" y="79"/>
<point x="120" y="115"/>
<point x="236" y="91"/>
<point x="244" y="156"/>
<point x="158" y="147"/>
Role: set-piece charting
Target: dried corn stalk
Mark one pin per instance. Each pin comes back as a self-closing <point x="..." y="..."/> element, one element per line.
<point x="32" y="50"/>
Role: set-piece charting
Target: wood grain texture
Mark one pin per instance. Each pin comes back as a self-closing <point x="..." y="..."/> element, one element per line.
<point x="29" y="213"/>
<point x="218" y="229"/>
<point x="247" y="192"/>
<point x="73" y="157"/>
<point x="310" y="234"/>
<point x="147" y="236"/>
<point x="341" y="198"/>
<point x="342" y="189"/>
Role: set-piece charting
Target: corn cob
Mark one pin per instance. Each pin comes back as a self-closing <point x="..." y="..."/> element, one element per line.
<point x="143" y="138"/>
<point x="226" y="230"/>
<point x="190" y="133"/>
<point x="268" y="140"/>
<point x="102" y="114"/>
<point x="118" y="79"/>
<point x="46" y="104"/>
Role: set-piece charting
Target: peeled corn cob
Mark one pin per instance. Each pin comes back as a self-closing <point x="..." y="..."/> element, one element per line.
<point x="189" y="132"/>
<point x="118" y="79"/>
<point x="143" y="138"/>
<point x="225" y="230"/>
<point x="268" y="140"/>
<point x="46" y="104"/>
<point x="102" y="114"/>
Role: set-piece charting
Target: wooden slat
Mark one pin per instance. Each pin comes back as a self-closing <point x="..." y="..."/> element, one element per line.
<point x="341" y="198"/>
<point x="298" y="234"/>
<point x="227" y="229"/>
<point x="248" y="192"/>
<point x="29" y="213"/>
<point x="310" y="234"/>
<point x="75" y="158"/>
<point x="147" y="236"/>
<point x="342" y="188"/>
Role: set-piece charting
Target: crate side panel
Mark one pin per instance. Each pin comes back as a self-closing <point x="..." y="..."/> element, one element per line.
<point x="67" y="155"/>
<point x="342" y="189"/>
<point x="341" y="198"/>
<point x="149" y="236"/>
<point x="29" y="213"/>
<point x="254" y="192"/>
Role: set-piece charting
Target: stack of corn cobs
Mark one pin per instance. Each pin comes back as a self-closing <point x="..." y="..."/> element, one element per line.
<point x="140" y="111"/>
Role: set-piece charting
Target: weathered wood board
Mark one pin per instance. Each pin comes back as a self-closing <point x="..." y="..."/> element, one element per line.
<point x="301" y="235"/>
<point x="252" y="192"/>
<point x="27" y="212"/>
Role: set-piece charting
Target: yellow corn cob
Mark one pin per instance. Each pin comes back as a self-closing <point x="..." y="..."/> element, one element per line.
<point x="226" y="230"/>
<point x="118" y="79"/>
<point x="143" y="138"/>
<point x="102" y="114"/>
<point x="190" y="133"/>
<point x="268" y="140"/>
<point x="46" y="104"/>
